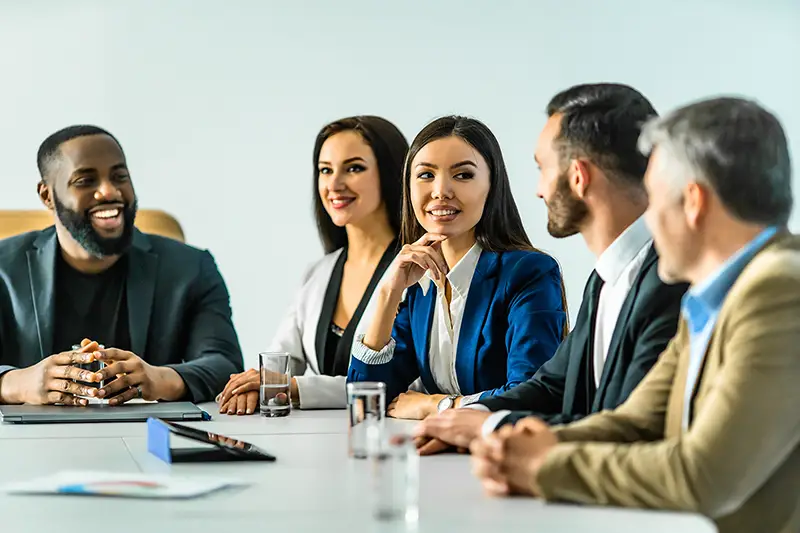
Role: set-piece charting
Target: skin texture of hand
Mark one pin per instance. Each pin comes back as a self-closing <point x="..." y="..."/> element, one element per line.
<point x="414" y="405"/>
<point x="240" y="395"/>
<point x="133" y="373"/>
<point x="451" y="428"/>
<point x="52" y="380"/>
<point x="415" y="259"/>
<point x="508" y="461"/>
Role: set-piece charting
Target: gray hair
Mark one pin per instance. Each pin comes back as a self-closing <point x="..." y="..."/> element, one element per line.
<point x="735" y="147"/>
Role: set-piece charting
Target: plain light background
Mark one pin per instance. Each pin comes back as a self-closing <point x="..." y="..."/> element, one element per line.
<point x="217" y="103"/>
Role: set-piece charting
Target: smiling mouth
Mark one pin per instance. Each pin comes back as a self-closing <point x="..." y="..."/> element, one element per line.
<point x="443" y="215"/>
<point x="341" y="203"/>
<point x="109" y="218"/>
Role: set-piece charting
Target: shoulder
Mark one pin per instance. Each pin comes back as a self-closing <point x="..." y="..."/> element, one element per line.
<point x="526" y="265"/>
<point x="773" y="272"/>
<point x="11" y="247"/>
<point x="171" y="249"/>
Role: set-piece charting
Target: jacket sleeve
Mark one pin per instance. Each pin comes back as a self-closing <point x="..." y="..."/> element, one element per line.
<point x="396" y="364"/>
<point x="212" y="351"/>
<point x="747" y="427"/>
<point x="544" y="392"/>
<point x="536" y="319"/>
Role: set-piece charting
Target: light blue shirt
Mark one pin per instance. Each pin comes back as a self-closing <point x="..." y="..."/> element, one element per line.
<point x="701" y="305"/>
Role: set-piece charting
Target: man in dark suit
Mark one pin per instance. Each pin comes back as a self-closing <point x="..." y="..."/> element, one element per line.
<point x="592" y="183"/>
<point x="158" y="310"/>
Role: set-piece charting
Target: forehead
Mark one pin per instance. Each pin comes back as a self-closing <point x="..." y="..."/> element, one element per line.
<point x="91" y="151"/>
<point x="551" y="130"/>
<point x="344" y="145"/>
<point x="447" y="151"/>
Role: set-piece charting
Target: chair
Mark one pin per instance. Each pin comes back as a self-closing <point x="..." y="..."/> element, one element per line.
<point x="15" y="222"/>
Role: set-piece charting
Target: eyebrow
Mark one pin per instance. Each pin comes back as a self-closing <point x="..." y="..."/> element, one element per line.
<point x="346" y="161"/>
<point x="86" y="170"/>
<point x="465" y="163"/>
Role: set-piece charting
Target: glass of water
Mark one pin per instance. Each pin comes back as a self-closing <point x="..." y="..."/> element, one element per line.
<point x="395" y="479"/>
<point x="366" y="408"/>
<point x="276" y="380"/>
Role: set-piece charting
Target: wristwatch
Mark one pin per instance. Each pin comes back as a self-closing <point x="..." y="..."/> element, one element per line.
<point x="446" y="403"/>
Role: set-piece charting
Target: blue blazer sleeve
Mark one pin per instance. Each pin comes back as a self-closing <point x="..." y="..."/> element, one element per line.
<point x="402" y="369"/>
<point x="536" y="319"/>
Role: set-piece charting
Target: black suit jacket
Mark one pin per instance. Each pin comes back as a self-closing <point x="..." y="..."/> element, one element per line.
<point x="563" y="389"/>
<point x="178" y="308"/>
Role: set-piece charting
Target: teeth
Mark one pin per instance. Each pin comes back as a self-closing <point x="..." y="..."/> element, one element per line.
<point x="443" y="212"/>
<point x="342" y="201"/>
<point x="107" y="213"/>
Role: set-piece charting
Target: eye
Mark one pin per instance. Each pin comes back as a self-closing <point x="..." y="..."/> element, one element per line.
<point x="122" y="177"/>
<point x="425" y="176"/>
<point x="85" y="181"/>
<point x="356" y="168"/>
<point x="325" y="170"/>
<point x="464" y="176"/>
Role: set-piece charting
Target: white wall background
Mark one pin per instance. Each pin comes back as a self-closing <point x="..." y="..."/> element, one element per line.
<point x="217" y="103"/>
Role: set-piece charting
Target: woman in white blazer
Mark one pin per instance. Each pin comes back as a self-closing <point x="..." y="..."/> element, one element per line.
<point x="358" y="164"/>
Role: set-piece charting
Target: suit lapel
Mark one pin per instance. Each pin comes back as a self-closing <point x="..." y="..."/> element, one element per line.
<point x="141" y="284"/>
<point x="421" y="320"/>
<point x="41" y="270"/>
<point x="328" y="309"/>
<point x="481" y="291"/>
<point x="621" y="325"/>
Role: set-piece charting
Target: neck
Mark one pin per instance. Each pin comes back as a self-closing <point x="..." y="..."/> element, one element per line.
<point x="719" y="245"/>
<point x="368" y="240"/>
<point x="78" y="258"/>
<point x="607" y="221"/>
<point x="454" y="248"/>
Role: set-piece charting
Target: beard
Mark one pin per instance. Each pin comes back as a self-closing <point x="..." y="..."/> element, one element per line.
<point x="565" y="211"/>
<point x="79" y="225"/>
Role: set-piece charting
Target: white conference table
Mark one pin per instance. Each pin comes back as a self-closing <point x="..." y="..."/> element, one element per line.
<point x="313" y="486"/>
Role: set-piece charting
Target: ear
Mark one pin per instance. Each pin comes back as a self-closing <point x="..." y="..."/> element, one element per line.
<point x="45" y="195"/>
<point x="695" y="204"/>
<point x="579" y="177"/>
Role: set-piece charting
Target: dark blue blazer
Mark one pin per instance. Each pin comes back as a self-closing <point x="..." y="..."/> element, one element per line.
<point x="514" y="320"/>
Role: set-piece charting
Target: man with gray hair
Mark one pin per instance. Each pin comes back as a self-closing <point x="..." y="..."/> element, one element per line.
<point x="714" y="427"/>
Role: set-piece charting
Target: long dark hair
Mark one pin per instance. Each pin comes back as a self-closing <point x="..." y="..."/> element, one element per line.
<point x="390" y="147"/>
<point x="500" y="229"/>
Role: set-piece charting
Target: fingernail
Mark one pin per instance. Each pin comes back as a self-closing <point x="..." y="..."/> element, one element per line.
<point x="101" y="392"/>
<point x="230" y="411"/>
<point x="234" y="391"/>
<point x="249" y="411"/>
<point x="239" y="412"/>
<point x="89" y="392"/>
<point x="83" y="402"/>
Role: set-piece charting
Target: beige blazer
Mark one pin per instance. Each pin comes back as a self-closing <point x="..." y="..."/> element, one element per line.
<point x="739" y="461"/>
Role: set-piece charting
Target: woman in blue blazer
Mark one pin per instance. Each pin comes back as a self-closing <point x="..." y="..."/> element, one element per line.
<point x="469" y="307"/>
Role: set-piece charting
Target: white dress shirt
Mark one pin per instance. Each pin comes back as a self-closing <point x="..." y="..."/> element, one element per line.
<point x="445" y="328"/>
<point x="618" y="267"/>
<point x="446" y="321"/>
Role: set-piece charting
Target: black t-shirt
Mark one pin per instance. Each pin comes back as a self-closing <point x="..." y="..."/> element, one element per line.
<point x="92" y="306"/>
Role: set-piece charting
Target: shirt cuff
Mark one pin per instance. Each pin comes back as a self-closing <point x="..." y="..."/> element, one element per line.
<point x="466" y="401"/>
<point x="368" y="356"/>
<point x="493" y="422"/>
<point x="477" y="407"/>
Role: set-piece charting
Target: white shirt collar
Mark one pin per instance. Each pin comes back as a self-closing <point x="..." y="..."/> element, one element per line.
<point x="460" y="276"/>
<point x="623" y="250"/>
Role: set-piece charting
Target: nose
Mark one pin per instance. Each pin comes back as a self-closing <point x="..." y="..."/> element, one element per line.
<point x="336" y="181"/>
<point x="442" y="188"/>
<point x="107" y="192"/>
